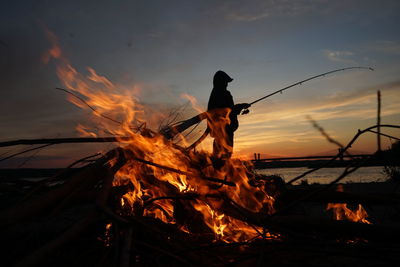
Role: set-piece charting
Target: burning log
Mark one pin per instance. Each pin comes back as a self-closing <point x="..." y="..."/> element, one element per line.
<point x="211" y="179"/>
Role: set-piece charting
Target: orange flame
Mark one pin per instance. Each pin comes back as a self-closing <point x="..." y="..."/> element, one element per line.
<point x="342" y="212"/>
<point x="120" y="114"/>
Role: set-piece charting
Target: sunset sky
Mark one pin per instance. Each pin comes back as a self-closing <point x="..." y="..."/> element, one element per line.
<point x="165" y="49"/>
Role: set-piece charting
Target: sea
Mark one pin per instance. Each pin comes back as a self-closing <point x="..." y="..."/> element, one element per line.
<point x="327" y="175"/>
<point x="322" y="176"/>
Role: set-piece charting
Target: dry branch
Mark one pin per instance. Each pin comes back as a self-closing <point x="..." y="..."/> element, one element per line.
<point x="386" y="135"/>
<point x="24" y="151"/>
<point x="342" y="151"/>
<point x="378" y="121"/>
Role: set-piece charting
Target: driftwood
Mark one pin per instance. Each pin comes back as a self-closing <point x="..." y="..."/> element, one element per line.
<point x="343" y="150"/>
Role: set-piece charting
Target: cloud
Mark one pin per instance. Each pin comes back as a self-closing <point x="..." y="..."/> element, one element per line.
<point x="242" y="11"/>
<point x="385" y="46"/>
<point x="247" y="17"/>
<point x="346" y="104"/>
<point x="364" y="52"/>
<point x="270" y="128"/>
<point x="339" y="56"/>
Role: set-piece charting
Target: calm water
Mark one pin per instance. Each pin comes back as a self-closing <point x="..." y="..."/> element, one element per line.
<point x="324" y="176"/>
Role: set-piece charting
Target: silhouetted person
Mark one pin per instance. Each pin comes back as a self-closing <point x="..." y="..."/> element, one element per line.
<point x="223" y="112"/>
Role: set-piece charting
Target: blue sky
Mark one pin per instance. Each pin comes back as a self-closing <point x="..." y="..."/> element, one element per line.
<point x="172" y="47"/>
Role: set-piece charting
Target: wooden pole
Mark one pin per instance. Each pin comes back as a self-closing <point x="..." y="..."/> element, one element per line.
<point x="379" y="122"/>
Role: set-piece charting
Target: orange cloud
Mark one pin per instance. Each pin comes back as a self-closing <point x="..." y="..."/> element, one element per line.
<point x="288" y="126"/>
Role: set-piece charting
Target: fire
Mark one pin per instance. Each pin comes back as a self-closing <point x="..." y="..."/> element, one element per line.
<point x="342" y="212"/>
<point x="155" y="191"/>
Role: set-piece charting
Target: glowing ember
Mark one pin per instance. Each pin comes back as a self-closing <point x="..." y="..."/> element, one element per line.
<point x="106" y="239"/>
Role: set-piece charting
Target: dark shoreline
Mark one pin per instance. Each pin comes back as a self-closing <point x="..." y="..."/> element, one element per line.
<point x="12" y="173"/>
<point x="312" y="164"/>
<point x="32" y="173"/>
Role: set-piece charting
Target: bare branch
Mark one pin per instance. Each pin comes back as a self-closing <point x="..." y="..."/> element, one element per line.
<point x="342" y="151"/>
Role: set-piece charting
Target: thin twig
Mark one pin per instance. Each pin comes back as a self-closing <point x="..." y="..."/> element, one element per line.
<point x="83" y="101"/>
<point x="386" y="135"/>
<point x="173" y="115"/>
<point x="31" y="157"/>
<point x="25" y="151"/>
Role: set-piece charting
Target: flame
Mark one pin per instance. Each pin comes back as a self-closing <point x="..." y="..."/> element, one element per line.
<point x="118" y="112"/>
<point x="193" y="102"/>
<point x="84" y="131"/>
<point x="342" y="212"/>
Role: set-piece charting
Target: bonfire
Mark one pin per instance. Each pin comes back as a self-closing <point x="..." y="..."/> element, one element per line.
<point x="151" y="201"/>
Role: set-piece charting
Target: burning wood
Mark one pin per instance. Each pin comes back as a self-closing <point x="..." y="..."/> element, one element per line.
<point x="151" y="201"/>
<point x="342" y="212"/>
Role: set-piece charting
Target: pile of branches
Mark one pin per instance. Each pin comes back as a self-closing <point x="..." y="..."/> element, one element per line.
<point x="75" y="217"/>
